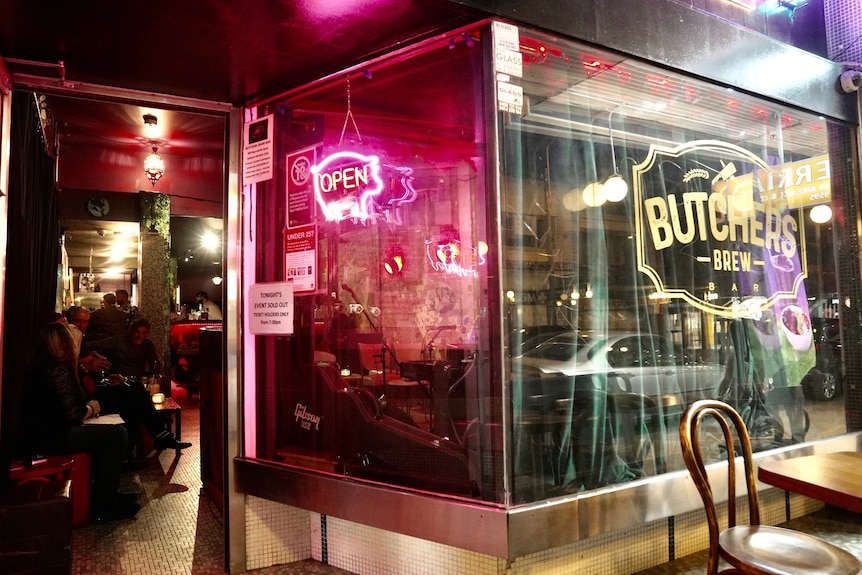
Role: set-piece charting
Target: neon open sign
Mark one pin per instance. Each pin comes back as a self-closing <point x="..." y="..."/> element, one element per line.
<point x="345" y="184"/>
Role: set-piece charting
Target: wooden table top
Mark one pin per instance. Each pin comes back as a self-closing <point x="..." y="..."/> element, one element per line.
<point x="168" y="405"/>
<point x="835" y="478"/>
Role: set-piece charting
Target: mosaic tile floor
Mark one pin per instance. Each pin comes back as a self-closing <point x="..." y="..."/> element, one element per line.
<point x="178" y="530"/>
<point x="839" y="527"/>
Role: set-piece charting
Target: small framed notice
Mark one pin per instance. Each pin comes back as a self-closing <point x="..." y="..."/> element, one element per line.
<point x="257" y="151"/>
<point x="270" y="308"/>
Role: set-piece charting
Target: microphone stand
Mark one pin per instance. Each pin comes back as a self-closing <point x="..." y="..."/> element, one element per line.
<point x="430" y="347"/>
<point x="384" y="348"/>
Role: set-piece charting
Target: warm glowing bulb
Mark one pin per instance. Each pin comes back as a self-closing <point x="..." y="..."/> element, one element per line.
<point x="448" y="253"/>
<point x="588" y="293"/>
<point x="574" y="201"/>
<point x="594" y="195"/>
<point x="394" y="265"/>
<point x="154" y="166"/>
<point x="510" y="294"/>
<point x="820" y="214"/>
<point x="616" y="188"/>
<point x="575" y="295"/>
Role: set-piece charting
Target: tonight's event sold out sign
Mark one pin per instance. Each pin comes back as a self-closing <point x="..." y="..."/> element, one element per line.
<point x="270" y="308"/>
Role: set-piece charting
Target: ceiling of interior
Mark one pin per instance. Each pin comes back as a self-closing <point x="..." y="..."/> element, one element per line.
<point x="214" y="51"/>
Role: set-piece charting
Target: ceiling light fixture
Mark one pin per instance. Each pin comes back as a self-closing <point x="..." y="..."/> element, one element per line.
<point x="150" y="123"/>
<point x="820" y="214"/>
<point x="616" y="188"/>
<point x="154" y="165"/>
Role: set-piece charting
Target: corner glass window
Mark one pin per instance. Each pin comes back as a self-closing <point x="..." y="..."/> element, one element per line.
<point x="663" y="240"/>
<point x="508" y="276"/>
<point x="379" y="217"/>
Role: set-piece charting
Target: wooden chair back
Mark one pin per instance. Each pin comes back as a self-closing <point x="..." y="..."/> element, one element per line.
<point x="751" y="548"/>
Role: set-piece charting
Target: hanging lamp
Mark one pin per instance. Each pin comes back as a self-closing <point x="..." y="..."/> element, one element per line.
<point x="154" y="166"/>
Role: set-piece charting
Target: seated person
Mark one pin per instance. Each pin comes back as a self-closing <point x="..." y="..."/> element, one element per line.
<point x="129" y="399"/>
<point x="55" y="409"/>
<point x="133" y="354"/>
<point x="206" y="306"/>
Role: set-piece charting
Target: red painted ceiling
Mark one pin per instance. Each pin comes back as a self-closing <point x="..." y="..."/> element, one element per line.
<point x="215" y="50"/>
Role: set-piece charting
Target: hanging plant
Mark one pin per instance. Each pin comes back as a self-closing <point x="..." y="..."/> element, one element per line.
<point x="156" y="213"/>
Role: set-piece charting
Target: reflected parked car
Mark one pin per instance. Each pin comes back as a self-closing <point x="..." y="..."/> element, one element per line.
<point x="823" y="381"/>
<point x="525" y="339"/>
<point x="645" y="364"/>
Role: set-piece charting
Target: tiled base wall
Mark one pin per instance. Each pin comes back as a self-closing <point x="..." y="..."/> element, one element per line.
<point x="278" y="534"/>
<point x="366" y="551"/>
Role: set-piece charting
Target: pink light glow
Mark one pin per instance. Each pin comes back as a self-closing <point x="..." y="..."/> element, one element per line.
<point x="444" y="260"/>
<point x="345" y="184"/>
<point x="400" y="192"/>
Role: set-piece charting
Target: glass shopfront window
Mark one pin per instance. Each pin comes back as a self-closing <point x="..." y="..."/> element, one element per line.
<point x="664" y="240"/>
<point x="515" y="259"/>
<point x="385" y="168"/>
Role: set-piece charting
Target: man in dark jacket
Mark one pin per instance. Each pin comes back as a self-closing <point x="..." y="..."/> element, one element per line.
<point x="109" y="321"/>
<point x="130" y="355"/>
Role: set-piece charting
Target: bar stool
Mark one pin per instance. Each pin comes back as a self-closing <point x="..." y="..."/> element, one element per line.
<point x="381" y="379"/>
<point x="402" y="390"/>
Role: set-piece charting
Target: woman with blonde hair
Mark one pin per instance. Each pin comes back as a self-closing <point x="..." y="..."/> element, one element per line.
<point x="56" y="412"/>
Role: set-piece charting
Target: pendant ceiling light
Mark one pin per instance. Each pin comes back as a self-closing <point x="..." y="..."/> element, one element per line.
<point x="616" y="188"/>
<point x="154" y="165"/>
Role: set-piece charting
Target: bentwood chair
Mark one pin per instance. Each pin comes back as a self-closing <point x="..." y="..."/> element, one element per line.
<point x="752" y="549"/>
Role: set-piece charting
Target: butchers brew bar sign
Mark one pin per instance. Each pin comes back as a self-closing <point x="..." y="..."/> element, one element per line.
<point x="721" y="229"/>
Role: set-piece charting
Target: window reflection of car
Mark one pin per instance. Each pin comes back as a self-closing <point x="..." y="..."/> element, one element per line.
<point x="526" y="339"/>
<point x="645" y="364"/>
<point x="823" y="381"/>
